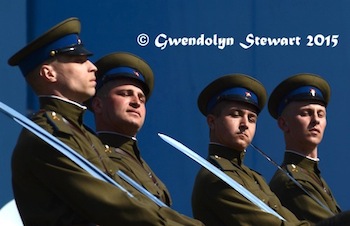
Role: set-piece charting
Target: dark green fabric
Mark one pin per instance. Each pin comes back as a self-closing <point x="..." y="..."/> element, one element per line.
<point x="52" y="190"/>
<point x="217" y="204"/>
<point x="307" y="173"/>
<point x="129" y="161"/>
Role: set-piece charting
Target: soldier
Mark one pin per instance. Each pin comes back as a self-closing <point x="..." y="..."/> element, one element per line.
<point x="299" y="105"/>
<point x="48" y="187"/>
<point x="231" y="105"/>
<point x="124" y="84"/>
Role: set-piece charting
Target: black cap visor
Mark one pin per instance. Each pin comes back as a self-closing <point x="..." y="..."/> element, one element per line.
<point x="75" y="50"/>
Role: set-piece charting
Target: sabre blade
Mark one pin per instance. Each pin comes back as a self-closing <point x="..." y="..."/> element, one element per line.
<point x="140" y="188"/>
<point x="71" y="154"/>
<point x="59" y="145"/>
<point x="292" y="179"/>
<point x="203" y="162"/>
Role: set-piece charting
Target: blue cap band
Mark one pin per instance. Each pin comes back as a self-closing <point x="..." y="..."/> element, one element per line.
<point x="43" y="53"/>
<point x="120" y="72"/>
<point x="237" y="93"/>
<point x="302" y="93"/>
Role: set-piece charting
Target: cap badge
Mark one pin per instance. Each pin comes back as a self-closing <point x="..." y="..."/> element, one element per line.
<point x="248" y="94"/>
<point x="136" y="73"/>
<point x="312" y="92"/>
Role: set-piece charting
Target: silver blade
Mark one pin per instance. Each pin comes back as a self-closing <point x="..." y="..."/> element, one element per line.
<point x="59" y="145"/>
<point x="292" y="179"/>
<point x="141" y="189"/>
<point x="203" y="162"/>
<point x="72" y="154"/>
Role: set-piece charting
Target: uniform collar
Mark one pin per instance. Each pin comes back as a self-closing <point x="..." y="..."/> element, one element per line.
<point x="301" y="161"/>
<point x="70" y="110"/>
<point x="117" y="134"/>
<point x="117" y="140"/>
<point x="230" y="154"/>
<point x="297" y="153"/>
<point x="65" y="100"/>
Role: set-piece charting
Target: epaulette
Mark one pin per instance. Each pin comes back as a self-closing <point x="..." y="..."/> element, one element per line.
<point x="222" y="163"/>
<point x="296" y="172"/>
<point x="58" y="123"/>
<point x="113" y="152"/>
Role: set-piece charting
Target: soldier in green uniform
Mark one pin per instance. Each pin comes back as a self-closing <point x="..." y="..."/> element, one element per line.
<point x="48" y="187"/>
<point x="231" y="105"/>
<point x="124" y="84"/>
<point x="299" y="106"/>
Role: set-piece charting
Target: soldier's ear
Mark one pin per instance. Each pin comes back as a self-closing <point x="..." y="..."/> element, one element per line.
<point x="48" y="73"/>
<point x="211" y="121"/>
<point x="96" y="105"/>
<point x="283" y="124"/>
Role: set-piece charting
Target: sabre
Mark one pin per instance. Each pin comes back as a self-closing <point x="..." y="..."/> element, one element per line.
<point x="58" y="145"/>
<point x="140" y="188"/>
<point x="239" y="188"/>
<point x="70" y="153"/>
<point x="292" y="178"/>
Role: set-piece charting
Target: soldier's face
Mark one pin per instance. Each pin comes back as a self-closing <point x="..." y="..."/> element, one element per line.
<point x="303" y="124"/>
<point x="123" y="109"/>
<point x="234" y="126"/>
<point x="75" y="77"/>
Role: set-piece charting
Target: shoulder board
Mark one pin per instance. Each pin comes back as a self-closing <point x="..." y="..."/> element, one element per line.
<point x="58" y="123"/>
<point x="296" y="171"/>
<point x="113" y="153"/>
<point x="221" y="163"/>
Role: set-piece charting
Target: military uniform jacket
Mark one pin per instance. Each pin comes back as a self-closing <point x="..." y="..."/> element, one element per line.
<point x="125" y="153"/>
<point x="217" y="204"/>
<point x="306" y="172"/>
<point x="50" y="189"/>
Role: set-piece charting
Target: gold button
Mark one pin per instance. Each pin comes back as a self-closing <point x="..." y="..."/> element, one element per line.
<point x="107" y="149"/>
<point x="54" y="116"/>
